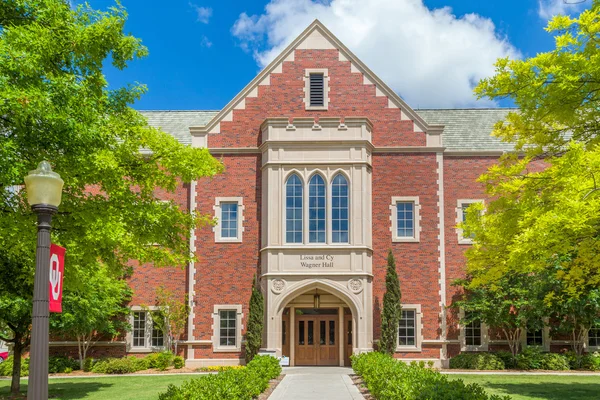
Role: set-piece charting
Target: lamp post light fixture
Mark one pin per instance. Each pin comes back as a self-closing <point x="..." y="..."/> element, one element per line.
<point x="44" y="190"/>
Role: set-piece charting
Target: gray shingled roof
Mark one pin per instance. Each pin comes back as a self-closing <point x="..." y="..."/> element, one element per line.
<point x="468" y="129"/>
<point x="177" y="123"/>
<point x="465" y="129"/>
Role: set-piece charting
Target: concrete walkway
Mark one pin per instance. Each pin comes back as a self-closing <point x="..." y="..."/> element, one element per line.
<point x="316" y="383"/>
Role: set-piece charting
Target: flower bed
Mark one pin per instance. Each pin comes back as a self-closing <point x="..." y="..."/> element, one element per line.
<point x="390" y="379"/>
<point x="232" y="384"/>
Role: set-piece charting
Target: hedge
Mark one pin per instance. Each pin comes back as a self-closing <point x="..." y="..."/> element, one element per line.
<point x="529" y="359"/>
<point x="390" y="379"/>
<point x="56" y="365"/>
<point x="233" y="384"/>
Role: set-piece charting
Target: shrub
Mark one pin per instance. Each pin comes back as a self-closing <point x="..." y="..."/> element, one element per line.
<point x="529" y="358"/>
<point x="178" y="362"/>
<point x="125" y="365"/>
<point x="88" y="364"/>
<point x="507" y="358"/>
<point x="591" y="361"/>
<point x="232" y="384"/>
<point x="555" y="362"/>
<point x="162" y="361"/>
<point x="61" y="364"/>
<point x="389" y="379"/>
<point x="480" y="361"/>
<point x="219" y="368"/>
<point x="7" y="366"/>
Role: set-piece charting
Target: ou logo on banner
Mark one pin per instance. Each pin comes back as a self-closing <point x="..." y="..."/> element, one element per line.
<point x="57" y="271"/>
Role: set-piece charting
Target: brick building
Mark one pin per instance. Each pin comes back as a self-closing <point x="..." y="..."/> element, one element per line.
<point x="327" y="169"/>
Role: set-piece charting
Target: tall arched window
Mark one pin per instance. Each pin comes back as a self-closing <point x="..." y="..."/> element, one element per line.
<point x="293" y="210"/>
<point x="316" y="210"/>
<point x="339" y="209"/>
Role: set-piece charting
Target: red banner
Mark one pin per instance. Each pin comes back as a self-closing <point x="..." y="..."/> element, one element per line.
<point x="57" y="271"/>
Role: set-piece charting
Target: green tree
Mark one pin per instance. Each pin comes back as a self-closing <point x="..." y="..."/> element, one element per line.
<point x="392" y="309"/>
<point x="545" y="206"/>
<point x="256" y="314"/>
<point x="511" y="304"/>
<point x="55" y="104"/>
<point x="170" y="316"/>
<point x="96" y="309"/>
<point x="16" y="294"/>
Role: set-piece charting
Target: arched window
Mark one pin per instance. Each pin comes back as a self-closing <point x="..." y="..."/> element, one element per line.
<point x="293" y="210"/>
<point x="316" y="210"/>
<point x="339" y="209"/>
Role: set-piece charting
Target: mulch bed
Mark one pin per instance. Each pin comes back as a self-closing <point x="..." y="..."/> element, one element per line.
<point x="358" y="382"/>
<point x="272" y="385"/>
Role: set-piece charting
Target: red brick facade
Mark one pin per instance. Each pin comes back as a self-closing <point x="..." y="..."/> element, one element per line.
<point x="404" y="160"/>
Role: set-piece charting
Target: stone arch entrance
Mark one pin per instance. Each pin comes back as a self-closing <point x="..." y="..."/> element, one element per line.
<point x="316" y="322"/>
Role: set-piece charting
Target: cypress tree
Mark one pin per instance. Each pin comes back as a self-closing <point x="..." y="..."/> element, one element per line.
<point x="255" y="321"/>
<point x="392" y="310"/>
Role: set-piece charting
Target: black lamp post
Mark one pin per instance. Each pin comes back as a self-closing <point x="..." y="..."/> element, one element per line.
<point x="44" y="190"/>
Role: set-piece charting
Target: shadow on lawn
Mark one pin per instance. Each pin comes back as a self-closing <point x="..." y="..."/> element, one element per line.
<point x="61" y="390"/>
<point x="549" y="390"/>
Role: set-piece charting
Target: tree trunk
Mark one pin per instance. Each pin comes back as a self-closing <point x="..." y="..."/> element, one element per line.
<point x="15" y="386"/>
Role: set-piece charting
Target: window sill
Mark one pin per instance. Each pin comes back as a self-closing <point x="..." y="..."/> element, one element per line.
<point x="405" y="240"/>
<point x="474" y="349"/>
<point x="316" y="108"/>
<point x="408" y="349"/>
<point x="141" y="350"/>
<point x="227" y="349"/>
<point x="228" y="240"/>
<point x="465" y="241"/>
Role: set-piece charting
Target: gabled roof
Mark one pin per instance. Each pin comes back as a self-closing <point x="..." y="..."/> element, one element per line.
<point x="469" y="129"/>
<point x="177" y="123"/>
<point x="316" y="27"/>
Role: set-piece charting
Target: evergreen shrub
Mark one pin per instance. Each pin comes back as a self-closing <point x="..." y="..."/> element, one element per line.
<point x="233" y="384"/>
<point x="480" y="361"/>
<point x="390" y="379"/>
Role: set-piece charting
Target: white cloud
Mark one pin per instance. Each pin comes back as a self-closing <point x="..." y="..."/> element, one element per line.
<point x="430" y="57"/>
<point x="203" y="13"/>
<point x="205" y="42"/>
<point x="549" y="8"/>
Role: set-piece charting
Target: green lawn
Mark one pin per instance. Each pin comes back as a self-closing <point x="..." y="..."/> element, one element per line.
<point x="129" y="387"/>
<point x="549" y="387"/>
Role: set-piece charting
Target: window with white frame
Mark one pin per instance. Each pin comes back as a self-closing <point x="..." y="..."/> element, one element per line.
<point x="461" y="217"/>
<point x="473" y="334"/>
<point x="534" y="337"/>
<point x="317" y="209"/>
<point x="227" y="327"/>
<point x="339" y="209"/>
<point x="294" y="220"/>
<point x="405" y="219"/>
<point x="409" y="328"/>
<point x="229" y="216"/>
<point x="139" y="329"/>
<point x="144" y="335"/>
<point x="594" y="337"/>
<point x="316" y="89"/>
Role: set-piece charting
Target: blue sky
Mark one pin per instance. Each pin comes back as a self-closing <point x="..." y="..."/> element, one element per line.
<point x="203" y="52"/>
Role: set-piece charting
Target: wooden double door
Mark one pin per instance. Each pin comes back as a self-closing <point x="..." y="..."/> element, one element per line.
<point x="317" y="339"/>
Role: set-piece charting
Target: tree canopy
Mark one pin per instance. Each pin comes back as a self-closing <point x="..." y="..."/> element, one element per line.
<point x="56" y="105"/>
<point x="545" y="205"/>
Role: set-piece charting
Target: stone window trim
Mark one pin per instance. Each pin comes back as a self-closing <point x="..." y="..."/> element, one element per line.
<point x="485" y="337"/>
<point x="216" y="317"/>
<point x="418" y="330"/>
<point x="240" y="216"/>
<point x="459" y="219"/>
<point x="307" y="73"/>
<point x="148" y="348"/>
<point x="394" y="219"/>
<point x="545" y="337"/>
